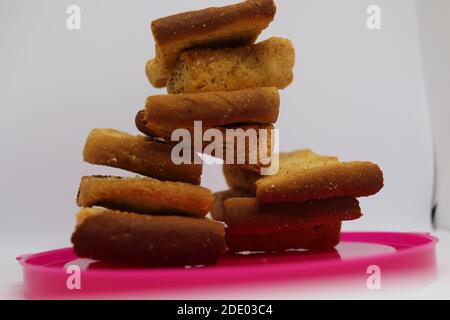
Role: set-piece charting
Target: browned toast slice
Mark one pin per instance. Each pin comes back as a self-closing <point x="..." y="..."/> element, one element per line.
<point x="166" y="113"/>
<point x="248" y="215"/>
<point x="233" y="25"/>
<point x="239" y="152"/>
<point x="145" y="196"/>
<point x="304" y="175"/>
<point x="137" y="154"/>
<point x="266" y="64"/>
<point x="144" y="240"/>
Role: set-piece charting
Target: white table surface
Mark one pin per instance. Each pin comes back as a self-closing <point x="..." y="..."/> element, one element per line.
<point x="11" y="284"/>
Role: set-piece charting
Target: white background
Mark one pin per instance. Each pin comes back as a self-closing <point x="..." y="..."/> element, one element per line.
<point x="435" y="47"/>
<point x="358" y="94"/>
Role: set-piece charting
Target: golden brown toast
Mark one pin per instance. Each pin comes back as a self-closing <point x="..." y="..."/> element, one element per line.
<point x="144" y="240"/>
<point x="233" y="25"/>
<point x="266" y="64"/>
<point x="165" y="113"/>
<point x="304" y="175"/>
<point x="137" y="154"/>
<point x="145" y="196"/>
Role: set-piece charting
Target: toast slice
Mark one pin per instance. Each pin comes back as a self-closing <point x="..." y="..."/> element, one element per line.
<point x="304" y="176"/>
<point x="145" y="196"/>
<point x="233" y="25"/>
<point x="137" y="154"/>
<point x="143" y="240"/>
<point x="267" y="64"/>
<point x="248" y="215"/>
<point x="317" y="237"/>
<point x="166" y="113"/>
<point x="245" y="152"/>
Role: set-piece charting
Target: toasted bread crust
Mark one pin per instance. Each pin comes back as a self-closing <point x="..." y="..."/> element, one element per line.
<point x="267" y="64"/>
<point x="233" y="25"/>
<point x="304" y="175"/>
<point x="142" y="240"/>
<point x="202" y="23"/>
<point x="321" y="236"/>
<point x="214" y="109"/>
<point x="156" y="72"/>
<point x="145" y="196"/>
<point x="248" y="215"/>
<point x="137" y="154"/>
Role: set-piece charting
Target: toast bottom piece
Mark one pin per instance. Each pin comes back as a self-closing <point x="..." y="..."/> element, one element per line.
<point x="140" y="240"/>
<point x="145" y="195"/>
<point x="318" y="237"/>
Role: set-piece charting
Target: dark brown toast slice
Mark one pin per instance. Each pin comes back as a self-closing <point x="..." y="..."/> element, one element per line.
<point x="317" y="237"/>
<point x="143" y="240"/>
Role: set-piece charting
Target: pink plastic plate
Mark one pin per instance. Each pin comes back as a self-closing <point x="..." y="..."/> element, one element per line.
<point x="61" y="274"/>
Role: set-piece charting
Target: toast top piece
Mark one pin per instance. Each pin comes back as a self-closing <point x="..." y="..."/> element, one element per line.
<point x="233" y="25"/>
<point x="214" y="109"/>
<point x="304" y="175"/>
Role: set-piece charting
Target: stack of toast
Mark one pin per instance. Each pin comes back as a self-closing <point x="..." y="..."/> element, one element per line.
<point x="157" y="218"/>
<point x="300" y="207"/>
<point x="216" y="74"/>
